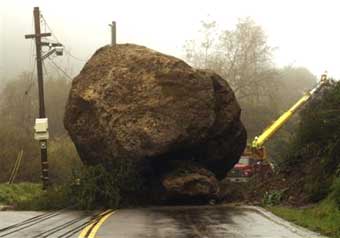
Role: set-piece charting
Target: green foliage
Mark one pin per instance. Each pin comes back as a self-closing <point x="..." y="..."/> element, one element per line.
<point x="55" y="197"/>
<point x="320" y="120"/>
<point x="335" y="195"/>
<point x="323" y="218"/>
<point x="12" y="140"/>
<point x="30" y="196"/>
<point x="315" y="150"/>
<point x="63" y="160"/>
<point x="91" y="187"/>
<point x="315" y="154"/>
<point x="317" y="187"/>
<point x="95" y="187"/>
<point x="13" y="194"/>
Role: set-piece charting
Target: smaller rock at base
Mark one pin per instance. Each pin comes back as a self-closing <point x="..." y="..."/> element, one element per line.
<point x="191" y="182"/>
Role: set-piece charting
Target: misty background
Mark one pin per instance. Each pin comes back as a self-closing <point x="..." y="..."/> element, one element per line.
<point x="303" y="32"/>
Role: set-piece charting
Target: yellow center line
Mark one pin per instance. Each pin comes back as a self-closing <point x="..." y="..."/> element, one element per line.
<point x="100" y="222"/>
<point x="91" y="229"/>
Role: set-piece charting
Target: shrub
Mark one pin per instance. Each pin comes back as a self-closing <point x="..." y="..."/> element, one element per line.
<point x="63" y="160"/>
<point x="118" y="184"/>
<point x="315" y="149"/>
<point x="336" y="191"/>
<point x="273" y="198"/>
<point x="95" y="187"/>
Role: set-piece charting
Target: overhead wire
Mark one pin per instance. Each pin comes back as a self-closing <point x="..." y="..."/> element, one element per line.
<point x="74" y="57"/>
<point x="60" y="69"/>
<point x="68" y="52"/>
<point x="32" y="62"/>
<point x="31" y="80"/>
<point x="44" y="68"/>
<point x="31" y="58"/>
<point x="47" y="27"/>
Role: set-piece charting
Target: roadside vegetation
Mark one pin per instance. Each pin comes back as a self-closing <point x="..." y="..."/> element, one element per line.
<point x="323" y="217"/>
<point x="13" y="194"/>
<point x="91" y="187"/>
<point x="315" y="154"/>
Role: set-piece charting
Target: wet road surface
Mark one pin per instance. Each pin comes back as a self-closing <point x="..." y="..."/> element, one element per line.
<point x="197" y="222"/>
<point x="163" y="222"/>
<point x="62" y="224"/>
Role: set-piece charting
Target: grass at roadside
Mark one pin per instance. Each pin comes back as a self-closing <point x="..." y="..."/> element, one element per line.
<point x="30" y="196"/>
<point x="14" y="194"/>
<point x="323" y="218"/>
<point x="90" y="187"/>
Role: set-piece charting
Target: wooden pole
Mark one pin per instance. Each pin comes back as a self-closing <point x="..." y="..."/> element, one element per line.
<point x="42" y="113"/>
<point x="113" y="34"/>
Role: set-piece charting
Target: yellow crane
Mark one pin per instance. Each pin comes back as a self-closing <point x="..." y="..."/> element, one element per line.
<point x="256" y="149"/>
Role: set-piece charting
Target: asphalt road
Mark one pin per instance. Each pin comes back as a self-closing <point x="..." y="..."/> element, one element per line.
<point x="43" y="224"/>
<point x="163" y="222"/>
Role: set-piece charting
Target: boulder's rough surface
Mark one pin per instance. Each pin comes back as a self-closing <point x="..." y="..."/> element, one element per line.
<point x="130" y="102"/>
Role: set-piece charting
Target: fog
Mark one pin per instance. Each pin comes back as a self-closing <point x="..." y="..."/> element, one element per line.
<point x="304" y="32"/>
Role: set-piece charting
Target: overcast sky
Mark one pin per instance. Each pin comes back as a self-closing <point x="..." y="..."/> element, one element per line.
<point x="305" y="32"/>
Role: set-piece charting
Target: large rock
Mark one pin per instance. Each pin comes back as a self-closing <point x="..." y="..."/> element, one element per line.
<point x="133" y="103"/>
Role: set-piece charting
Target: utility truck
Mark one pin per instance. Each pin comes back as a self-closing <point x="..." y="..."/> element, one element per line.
<point x="254" y="159"/>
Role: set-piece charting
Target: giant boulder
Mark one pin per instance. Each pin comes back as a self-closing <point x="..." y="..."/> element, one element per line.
<point x="133" y="103"/>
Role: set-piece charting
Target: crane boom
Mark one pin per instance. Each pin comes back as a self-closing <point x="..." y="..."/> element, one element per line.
<point x="259" y="141"/>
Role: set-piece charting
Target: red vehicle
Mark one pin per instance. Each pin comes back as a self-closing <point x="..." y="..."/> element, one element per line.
<point x="247" y="167"/>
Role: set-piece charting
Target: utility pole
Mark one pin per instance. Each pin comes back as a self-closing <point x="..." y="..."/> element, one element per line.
<point x="42" y="114"/>
<point x="113" y="33"/>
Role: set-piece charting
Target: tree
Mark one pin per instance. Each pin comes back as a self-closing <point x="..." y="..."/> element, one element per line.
<point x="201" y="53"/>
<point x="242" y="56"/>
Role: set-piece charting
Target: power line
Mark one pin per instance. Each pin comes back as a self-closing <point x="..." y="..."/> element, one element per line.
<point x="44" y="67"/>
<point x="31" y="80"/>
<point x="68" y="52"/>
<point x="31" y="58"/>
<point x="46" y="25"/>
<point x="60" y="69"/>
<point x="74" y="57"/>
<point x="57" y="40"/>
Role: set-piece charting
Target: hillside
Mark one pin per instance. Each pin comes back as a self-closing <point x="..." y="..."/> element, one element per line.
<point x="306" y="187"/>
